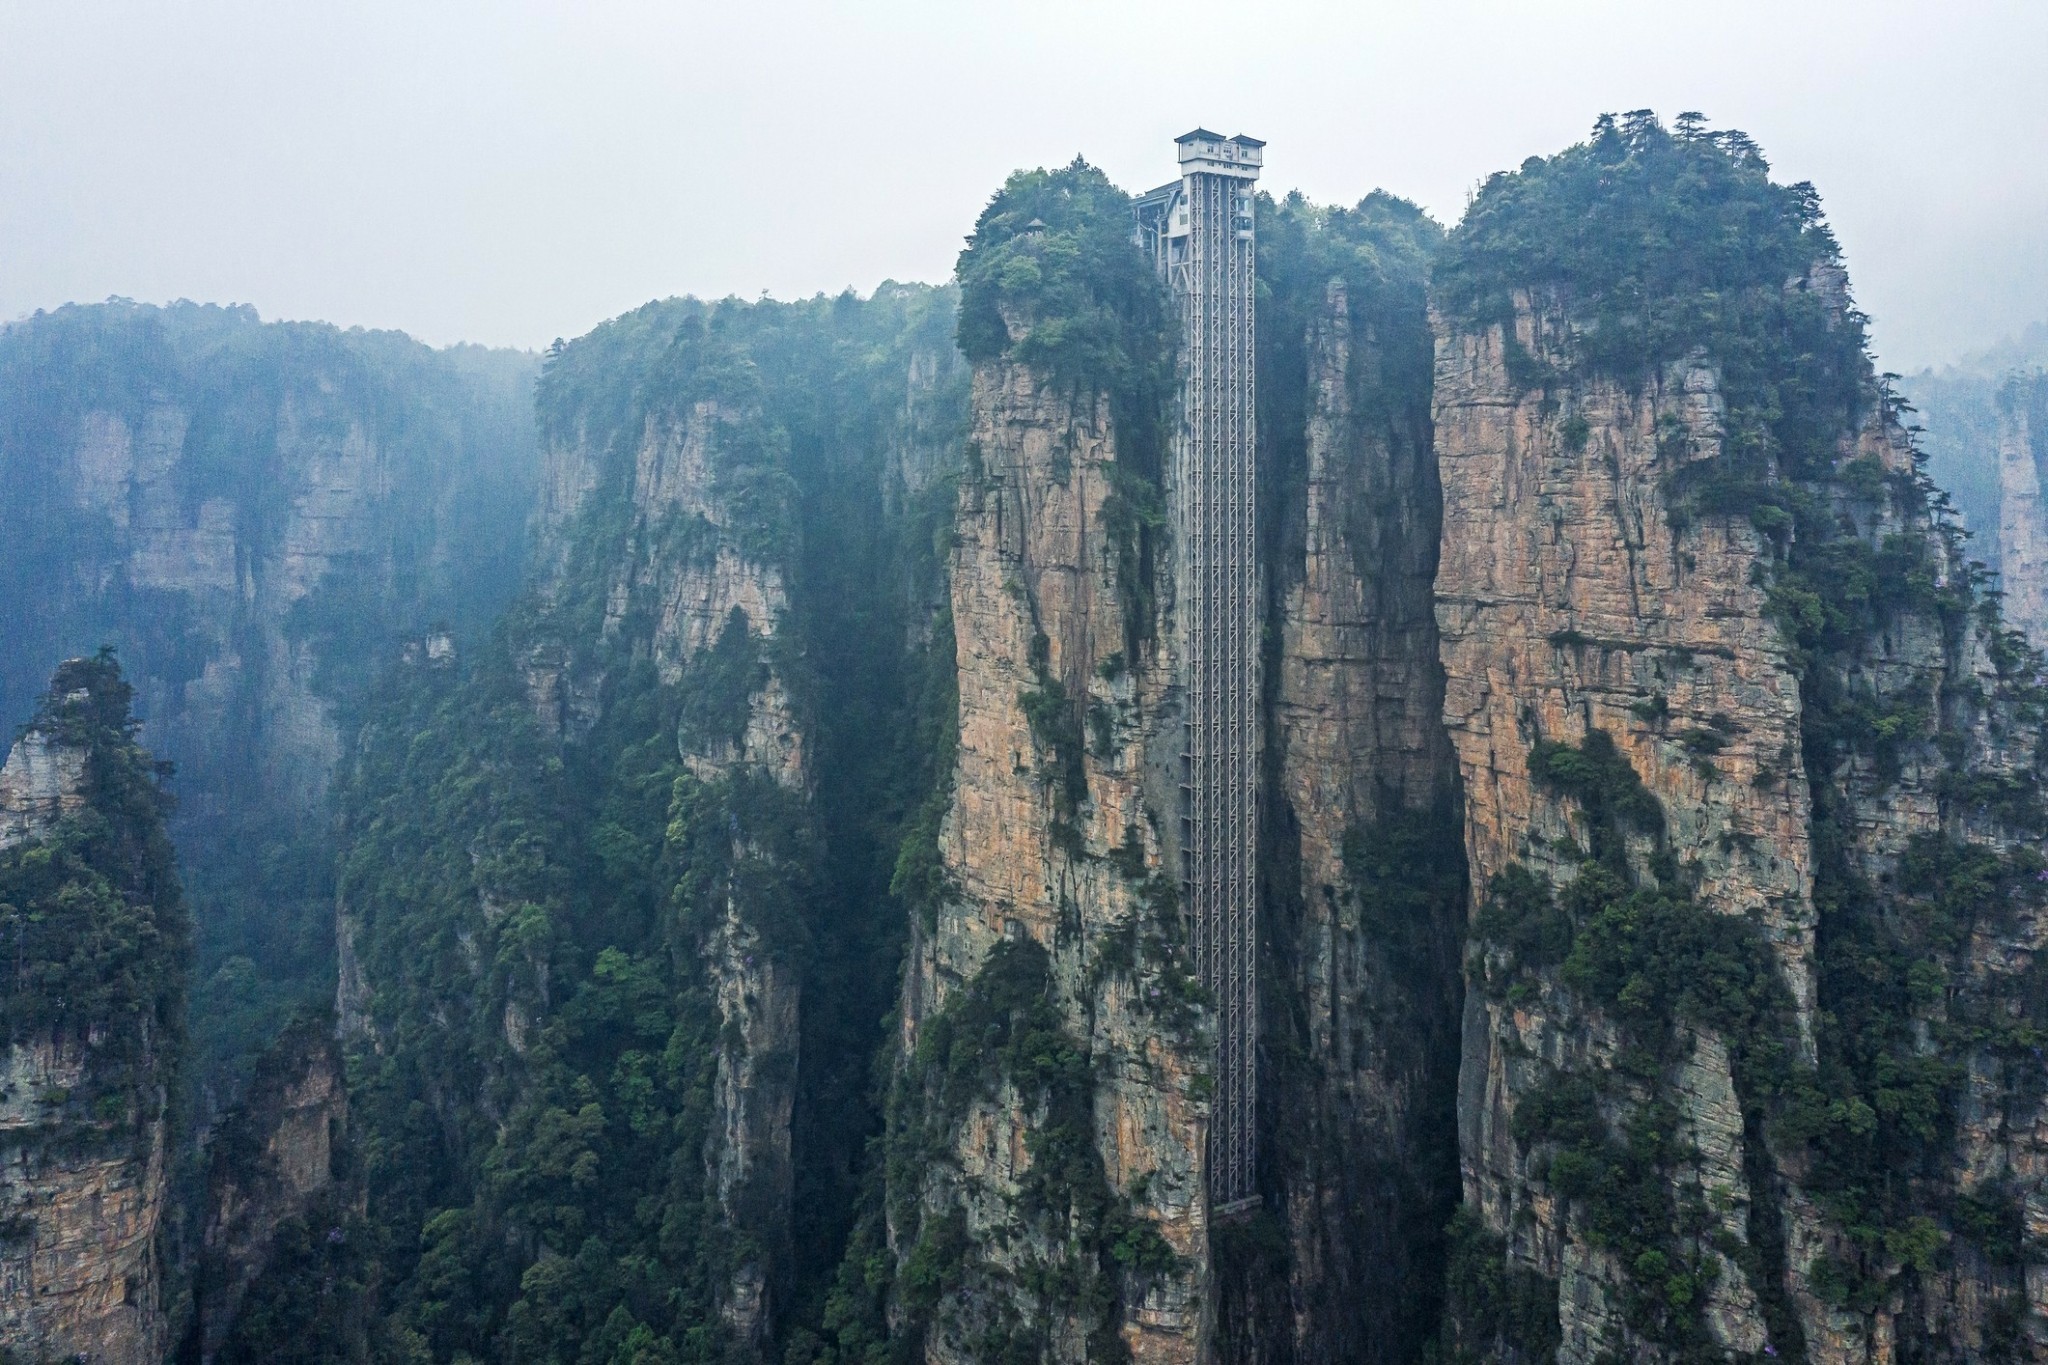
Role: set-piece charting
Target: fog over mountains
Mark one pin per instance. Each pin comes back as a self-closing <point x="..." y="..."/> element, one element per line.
<point x="696" y="842"/>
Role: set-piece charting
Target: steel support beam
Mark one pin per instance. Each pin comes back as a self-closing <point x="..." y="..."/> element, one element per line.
<point x="1209" y="259"/>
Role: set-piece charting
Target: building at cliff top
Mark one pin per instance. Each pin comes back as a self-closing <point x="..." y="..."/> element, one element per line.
<point x="1200" y="231"/>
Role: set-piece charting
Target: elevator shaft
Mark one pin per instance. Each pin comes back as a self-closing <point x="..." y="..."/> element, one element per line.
<point x="1202" y="234"/>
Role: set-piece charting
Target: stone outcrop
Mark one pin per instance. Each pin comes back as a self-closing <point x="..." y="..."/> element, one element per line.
<point x="659" y="716"/>
<point x="1568" y="604"/>
<point x="694" y="567"/>
<point x="81" y="1268"/>
<point x="43" y="781"/>
<point x="1577" y="602"/>
<point x="1967" y="413"/>
<point x="1363" y="979"/>
<point x="83" y="1120"/>
<point x="235" y="505"/>
<point x="1984" y="1194"/>
<point x="1059" y="829"/>
<point x="271" y="1160"/>
<point x="689" y="536"/>
<point x="2022" y="512"/>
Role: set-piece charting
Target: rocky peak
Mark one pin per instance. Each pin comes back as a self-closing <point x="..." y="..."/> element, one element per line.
<point x="1059" y="1196"/>
<point x="91" y="917"/>
<point x="43" y="781"/>
<point x="2022" y="532"/>
<point x="277" y="1159"/>
<point x="1732" y="718"/>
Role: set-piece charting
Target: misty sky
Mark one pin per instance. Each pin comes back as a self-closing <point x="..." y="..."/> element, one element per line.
<point x="513" y="172"/>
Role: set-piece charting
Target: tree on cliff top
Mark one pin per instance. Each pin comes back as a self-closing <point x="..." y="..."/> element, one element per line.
<point x="1053" y="252"/>
<point x="1663" y="243"/>
<point x="1051" y="278"/>
<point x="1630" y="221"/>
<point x="92" y="919"/>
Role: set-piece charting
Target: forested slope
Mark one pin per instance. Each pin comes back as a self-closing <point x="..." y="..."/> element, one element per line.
<point x="616" y="923"/>
<point x="93" y="1013"/>
<point x="252" y="514"/>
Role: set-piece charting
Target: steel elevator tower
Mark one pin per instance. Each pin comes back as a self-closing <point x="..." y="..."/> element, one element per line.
<point x="1200" y="232"/>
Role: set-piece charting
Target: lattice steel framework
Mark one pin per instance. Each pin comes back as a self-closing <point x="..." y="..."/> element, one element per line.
<point x="1202" y="233"/>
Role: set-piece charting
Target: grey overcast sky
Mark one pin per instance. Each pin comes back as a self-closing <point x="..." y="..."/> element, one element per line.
<point x="514" y="171"/>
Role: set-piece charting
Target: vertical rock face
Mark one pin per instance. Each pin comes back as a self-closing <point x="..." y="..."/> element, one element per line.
<point x="1751" y="789"/>
<point x="272" y="1161"/>
<point x="1569" y="607"/>
<point x="1054" y="857"/>
<point x="1358" y="624"/>
<point x="1569" y="604"/>
<point x="1365" y="900"/>
<point x="42" y="782"/>
<point x="94" y="999"/>
<point x="1967" y="411"/>
<point x="1046" y="1194"/>
<point x="691" y="561"/>
<point x="678" y="555"/>
<point x="254" y="514"/>
<point x="1054" y="925"/>
<point x="645" y="936"/>
<point x="245" y="509"/>
<point x="723" y="588"/>
<point x="2022" y="513"/>
<point x="81" y="1271"/>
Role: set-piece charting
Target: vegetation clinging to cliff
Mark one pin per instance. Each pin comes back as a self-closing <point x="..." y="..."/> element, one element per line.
<point x="1345" y="359"/>
<point x="1052" y="257"/>
<point x="1004" y="1029"/>
<point x="1052" y="279"/>
<point x="92" y="919"/>
<point x="1601" y="779"/>
<point x="1666" y="969"/>
<point x="1378" y="252"/>
<point x="153" y="462"/>
<point x="1664" y="244"/>
<point x="1646" y="247"/>
<point x="536" y="912"/>
<point x="516" y="915"/>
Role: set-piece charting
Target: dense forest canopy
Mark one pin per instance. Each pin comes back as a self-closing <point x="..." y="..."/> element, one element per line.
<point x="1657" y="235"/>
<point x="1050" y="276"/>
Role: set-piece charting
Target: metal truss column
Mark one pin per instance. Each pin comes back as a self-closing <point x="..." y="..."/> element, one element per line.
<point x="1209" y="257"/>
